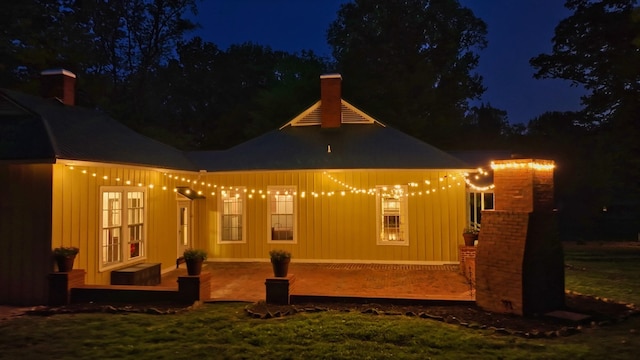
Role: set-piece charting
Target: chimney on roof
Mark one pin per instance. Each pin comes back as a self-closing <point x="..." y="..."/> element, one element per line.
<point x="330" y="100"/>
<point x="59" y="84"/>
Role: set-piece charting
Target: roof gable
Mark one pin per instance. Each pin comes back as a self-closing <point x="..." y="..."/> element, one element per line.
<point x="360" y="142"/>
<point x="350" y="115"/>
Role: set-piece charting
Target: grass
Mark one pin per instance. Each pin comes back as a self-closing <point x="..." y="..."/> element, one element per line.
<point x="224" y="331"/>
<point x="606" y="271"/>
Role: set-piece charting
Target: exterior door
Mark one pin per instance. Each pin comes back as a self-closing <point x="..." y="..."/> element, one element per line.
<point x="184" y="226"/>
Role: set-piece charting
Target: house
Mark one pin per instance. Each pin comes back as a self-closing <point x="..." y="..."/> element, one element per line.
<point x="480" y="187"/>
<point x="331" y="185"/>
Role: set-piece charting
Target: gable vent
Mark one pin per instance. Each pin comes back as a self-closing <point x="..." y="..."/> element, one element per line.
<point x="349" y="115"/>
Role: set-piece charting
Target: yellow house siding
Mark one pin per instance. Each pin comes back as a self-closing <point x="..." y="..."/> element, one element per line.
<point x="76" y="213"/>
<point x="333" y="227"/>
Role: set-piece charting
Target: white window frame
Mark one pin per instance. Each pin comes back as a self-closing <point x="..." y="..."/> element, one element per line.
<point x="474" y="209"/>
<point x="396" y="196"/>
<point x="236" y="196"/>
<point x="119" y="219"/>
<point x="289" y="207"/>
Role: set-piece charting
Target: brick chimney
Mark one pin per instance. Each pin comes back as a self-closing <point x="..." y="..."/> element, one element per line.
<point x="330" y="100"/>
<point x="59" y="84"/>
<point x="519" y="258"/>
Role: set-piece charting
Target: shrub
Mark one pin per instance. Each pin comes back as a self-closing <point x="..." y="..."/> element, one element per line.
<point x="279" y="255"/>
<point x="195" y="254"/>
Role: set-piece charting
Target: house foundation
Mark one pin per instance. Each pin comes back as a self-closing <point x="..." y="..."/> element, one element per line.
<point x="519" y="259"/>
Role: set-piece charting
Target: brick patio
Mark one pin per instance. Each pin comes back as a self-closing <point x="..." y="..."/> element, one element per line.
<point x="246" y="281"/>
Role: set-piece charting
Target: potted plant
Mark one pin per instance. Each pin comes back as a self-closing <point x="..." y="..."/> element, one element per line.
<point x="194" y="259"/>
<point x="470" y="236"/>
<point x="280" y="261"/>
<point x="64" y="257"/>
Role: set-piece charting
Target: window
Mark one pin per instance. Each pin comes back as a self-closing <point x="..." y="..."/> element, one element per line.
<point x="477" y="202"/>
<point x="232" y="219"/>
<point x="391" y="208"/>
<point x="282" y="214"/>
<point x="122" y="222"/>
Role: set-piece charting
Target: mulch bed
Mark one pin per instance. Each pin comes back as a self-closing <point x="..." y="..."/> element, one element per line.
<point x="601" y="311"/>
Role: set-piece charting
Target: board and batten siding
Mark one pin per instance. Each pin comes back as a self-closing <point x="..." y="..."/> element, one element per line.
<point x="333" y="227"/>
<point x="25" y="233"/>
<point x="76" y="213"/>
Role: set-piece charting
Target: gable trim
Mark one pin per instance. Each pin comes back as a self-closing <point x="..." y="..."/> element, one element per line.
<point x="350" y="115"/>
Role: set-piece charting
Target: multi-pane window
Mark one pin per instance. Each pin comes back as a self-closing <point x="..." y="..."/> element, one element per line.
<point x="232" y="219"/>
<point x="111" y="228"/>
<point x="135" y="223"/>
<point x="282" y="208"/>
<point x="392" y="215"/>
<point x="123" y="225"/>
<point x="478" y="201"/>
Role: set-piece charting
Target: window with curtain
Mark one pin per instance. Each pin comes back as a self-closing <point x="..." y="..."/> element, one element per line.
<point x="282" y="213"/>
<point x="123" y="235"/>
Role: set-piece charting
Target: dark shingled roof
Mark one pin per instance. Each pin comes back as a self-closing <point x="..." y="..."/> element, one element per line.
<point x="37" y="129"/>
<point x="353" y="146"/>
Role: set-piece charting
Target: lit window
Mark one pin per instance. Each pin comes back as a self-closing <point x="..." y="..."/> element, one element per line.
<point x="478" y="201"/>
<point x="232" y="219"/>
<point x="282" y="213"/>
<point x="391" y="207"/>
<point x="122" y="222"/>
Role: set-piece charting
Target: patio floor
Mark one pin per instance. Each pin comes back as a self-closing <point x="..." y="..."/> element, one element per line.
<point x="245" y="281"/>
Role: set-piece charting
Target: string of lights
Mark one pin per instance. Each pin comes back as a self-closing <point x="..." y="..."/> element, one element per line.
<point x="414" y="188"/>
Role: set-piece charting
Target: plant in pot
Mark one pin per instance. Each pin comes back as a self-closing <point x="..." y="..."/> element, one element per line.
<point x="64" y="256"/>
<point x="470" y="236"/>
<point x="194" y="259"/>
<point x="280" y="261"/>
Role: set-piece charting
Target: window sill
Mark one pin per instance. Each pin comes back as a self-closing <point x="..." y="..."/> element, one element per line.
<point x="121" y="264"/>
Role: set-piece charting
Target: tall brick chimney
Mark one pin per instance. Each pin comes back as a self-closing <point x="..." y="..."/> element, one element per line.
<point x="519" y="259"/>
<point x="330" y="100"/>
<point x="59" y="84"/>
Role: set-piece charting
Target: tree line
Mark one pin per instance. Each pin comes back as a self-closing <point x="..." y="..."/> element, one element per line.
<point x="410" y="64"/>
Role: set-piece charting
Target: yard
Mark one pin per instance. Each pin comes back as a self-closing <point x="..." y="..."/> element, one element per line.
<point x="225" y="331"/>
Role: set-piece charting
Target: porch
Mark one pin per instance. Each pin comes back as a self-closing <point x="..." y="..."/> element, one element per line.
<point x="245" y="281"/>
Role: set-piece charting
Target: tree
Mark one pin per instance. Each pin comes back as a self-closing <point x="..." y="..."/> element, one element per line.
<point x="37" y="35"/>
<point x="409" y="62"/>
<point x="598" y="47"/>
<point x="561" y="136"/>
<point x="113" y="47"/>
<point x="296" y="89"/>
<point x="215" y="99"/>
<point x="485" y="127"/>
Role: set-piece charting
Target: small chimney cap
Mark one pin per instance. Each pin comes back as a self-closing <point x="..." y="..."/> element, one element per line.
<point x="331" y="76"/>
<point x="58" y="72"/>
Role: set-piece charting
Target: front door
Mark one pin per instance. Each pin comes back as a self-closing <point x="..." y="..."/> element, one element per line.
<point x="184" y="226"/>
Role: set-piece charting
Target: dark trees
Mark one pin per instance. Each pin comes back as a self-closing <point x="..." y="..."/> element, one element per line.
<point x="598" y="48"/>
<point x="134" y="60"/>
<point x="410" y="63"/>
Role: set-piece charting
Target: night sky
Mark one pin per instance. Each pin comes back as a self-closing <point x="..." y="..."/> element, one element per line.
<point x="517" y="31"/>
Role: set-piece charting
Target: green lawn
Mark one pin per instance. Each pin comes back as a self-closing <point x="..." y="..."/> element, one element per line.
<point x="224" y="331"/>
<point x="607" y="271"/>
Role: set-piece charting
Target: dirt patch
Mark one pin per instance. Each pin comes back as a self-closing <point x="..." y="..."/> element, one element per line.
<point x="601" y="312"/>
